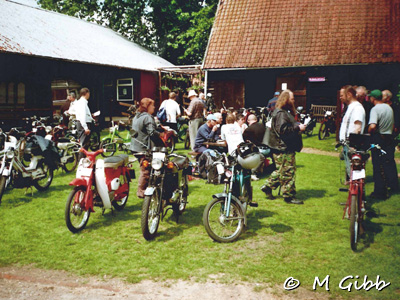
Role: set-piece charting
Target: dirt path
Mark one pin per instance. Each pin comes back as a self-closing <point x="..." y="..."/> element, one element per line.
<point x="23" y="283"/>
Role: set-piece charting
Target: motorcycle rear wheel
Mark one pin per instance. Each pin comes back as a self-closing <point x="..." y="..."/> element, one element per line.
<point x="71" y="165"/>
<point x="44" y="183"/>
<point x="219" y="228"/>
<point x="171" y="144"/>
<point x="3" y="180"/>
<point x="76" y="217"/>
<point x="120" y="204"/>
<point x="187" y="139"/>
<point x="110" y="147"/>
<point x="180" y="206"/>
<point x="151" y="215"/>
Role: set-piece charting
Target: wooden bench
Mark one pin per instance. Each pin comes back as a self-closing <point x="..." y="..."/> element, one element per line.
<point x="319" y="110"/>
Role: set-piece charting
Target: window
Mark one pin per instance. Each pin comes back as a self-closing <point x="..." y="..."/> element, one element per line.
<point x="3" y="92"/>
<point x="21" y="93"/>
<point x="125" y="89"/>
<point x="10" y="98"/>
<point x="12" y="93"/>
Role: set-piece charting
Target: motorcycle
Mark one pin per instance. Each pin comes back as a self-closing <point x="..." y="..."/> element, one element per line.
<point x="39" y="173"/>
<point x="328" y="125"/>
<point x="168" y="186"/>
<point x="307" y="119"/>
<point x="103" y="183"/>
<point x="224" y="217"/>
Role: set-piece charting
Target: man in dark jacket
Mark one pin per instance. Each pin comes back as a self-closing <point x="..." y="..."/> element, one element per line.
<point x="255" y="132"/>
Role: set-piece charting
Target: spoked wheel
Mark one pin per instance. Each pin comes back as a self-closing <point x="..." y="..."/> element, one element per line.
<point x="182" y="132"/>
<point x="94" y="143"/>
<point x="180" y="206"/>
<point x="110" y="147"/>
<point x="219" y="227"/>
<point x="76" y="217"/>
<point x="72" y="161"/>
<point x="171" y="143"/>
<point x="354" y="228"/>
<point x="3" y="181"/>
<point x="151" y="215"/>
<point x="43" y="183"/>
<point x="120" y="204"/>
<point x="21" y="149"/>
<point x="322" y="131"/>
<point x="187" y="140"/>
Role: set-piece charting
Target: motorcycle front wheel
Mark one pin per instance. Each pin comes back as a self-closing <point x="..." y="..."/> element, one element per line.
<point x="322" y="131"/>
<point x="94" y="143"/>
<point x="44" y="183"/>
<point x="219" y="227"/>
<point x="151" y="215"/>
<point x="110" y="147"/>
<point x="76" y="217"/>
<point x="180" y="206"/>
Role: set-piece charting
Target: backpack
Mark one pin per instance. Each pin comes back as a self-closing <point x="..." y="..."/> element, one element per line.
<point x="162" y="115"/>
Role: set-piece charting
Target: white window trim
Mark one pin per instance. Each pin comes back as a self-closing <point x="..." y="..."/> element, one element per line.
<point x="124" y="84"/>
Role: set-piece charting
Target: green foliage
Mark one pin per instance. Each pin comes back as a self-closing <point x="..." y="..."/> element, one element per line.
<point x="178" y="30"/>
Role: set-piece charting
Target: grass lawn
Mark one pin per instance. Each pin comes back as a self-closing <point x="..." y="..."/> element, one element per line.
<point x="300" y="241"/>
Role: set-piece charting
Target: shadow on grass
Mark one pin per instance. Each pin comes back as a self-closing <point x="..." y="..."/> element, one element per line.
<point x="306" y="194"/>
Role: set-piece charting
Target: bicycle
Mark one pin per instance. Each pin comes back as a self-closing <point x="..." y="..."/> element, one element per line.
<point x="328" y="125"/>
<point x="224" y="217"/>
<point x="355" y="205"/>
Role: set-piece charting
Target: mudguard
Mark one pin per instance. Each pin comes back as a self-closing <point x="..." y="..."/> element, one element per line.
<point x="224" y="195"/>
<point x="79" y="182"/>
<point x="149" y="191"/>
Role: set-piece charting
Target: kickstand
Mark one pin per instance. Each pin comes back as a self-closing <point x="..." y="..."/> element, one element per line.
<point x="29" y="188"/>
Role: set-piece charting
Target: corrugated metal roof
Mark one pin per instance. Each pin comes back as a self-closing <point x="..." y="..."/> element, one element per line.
<point x="34" y="31"/>
<point x="274" y="33"/>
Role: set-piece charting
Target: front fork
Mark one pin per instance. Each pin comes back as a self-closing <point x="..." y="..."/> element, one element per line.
<point x="229" y="198"/>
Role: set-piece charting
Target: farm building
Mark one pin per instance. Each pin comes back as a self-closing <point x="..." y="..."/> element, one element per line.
<point x="44" y="54"/>
<point x="312" y="47"/>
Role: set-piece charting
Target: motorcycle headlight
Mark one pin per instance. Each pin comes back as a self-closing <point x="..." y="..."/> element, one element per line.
<point x="10" y="154"/>
<point x="86" y="162"/>
<point x="156" y="163"/>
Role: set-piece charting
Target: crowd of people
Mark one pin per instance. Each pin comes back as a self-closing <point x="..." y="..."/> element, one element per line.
<point x="374" y="113"/>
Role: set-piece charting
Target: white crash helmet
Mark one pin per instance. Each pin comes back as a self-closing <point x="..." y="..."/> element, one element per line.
<point x="248" y="155"/>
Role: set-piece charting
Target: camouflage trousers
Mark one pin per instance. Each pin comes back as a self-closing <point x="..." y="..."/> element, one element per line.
<point x="284" y="175"/>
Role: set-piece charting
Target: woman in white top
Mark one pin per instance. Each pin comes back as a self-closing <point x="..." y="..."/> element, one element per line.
<point x="231" y="133"/>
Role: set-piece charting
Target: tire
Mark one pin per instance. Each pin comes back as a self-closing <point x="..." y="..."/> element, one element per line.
<point x="120" y="204"/>
<point x="182" y="132"/>
<point x="111" y="147"/>
<point x="322" y="131"/>
<point x="180" y="206"/>
<point x="218" y="228"/>
<point x="309" y="131"/>
<point x="75" y="217"/>
<point x="3" y="180"/>
<point x="94" y="143"/>
<point x="354" y="222"/>
<point x="21" y="149"/>
<point x="151" y="215"/>
<point x="44" y="183"/>
<point x="71" y="166"/>
<point x="187" y="140"/>
<point x="171" y="142"/>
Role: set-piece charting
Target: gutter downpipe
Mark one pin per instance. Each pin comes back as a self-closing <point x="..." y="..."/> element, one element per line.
<point x="205" y="82"/>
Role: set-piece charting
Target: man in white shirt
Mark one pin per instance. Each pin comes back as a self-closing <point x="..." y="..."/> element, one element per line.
<point x="353" y="120"/>
<point x="172" y="110"/>
<point x="84" y="118"/>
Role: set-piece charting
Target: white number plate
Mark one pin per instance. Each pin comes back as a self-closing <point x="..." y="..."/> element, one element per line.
<point x="83" y="172"/>
<point x="358" y="174"/>
<point x="220" y="169"/>
<point x="159" y="155"/>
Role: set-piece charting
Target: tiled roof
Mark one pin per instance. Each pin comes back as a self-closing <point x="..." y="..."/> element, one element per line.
<point x="38" y="32"/>
<point x="293" y="33"/>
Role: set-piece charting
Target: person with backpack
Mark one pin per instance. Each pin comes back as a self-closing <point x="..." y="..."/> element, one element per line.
<point x="172" y="111"/>
<point x="284" y="140"/>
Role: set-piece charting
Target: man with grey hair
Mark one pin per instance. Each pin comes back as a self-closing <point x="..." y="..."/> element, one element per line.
<point x="361" y="95"/>
<point x="387" y="98"/>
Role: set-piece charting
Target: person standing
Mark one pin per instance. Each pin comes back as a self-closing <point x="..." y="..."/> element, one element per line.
<point x="68" y="108"/>
<point x="195" y="111"/>
<point x="84" y="118"/>
<point x="172" y="110"/>
<point x="387" y="98"/>
<point x="381" y="129"/>
<point x="272" y="102"/>
<point x="285" y="140"/>
<point x="353" y="120"/>
<point x="145" y="136"/>
<point x="361" y="95"/>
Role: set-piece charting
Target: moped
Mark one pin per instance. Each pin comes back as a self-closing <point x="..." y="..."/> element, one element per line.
<point x="307" y="119"/>
<point x="168" y="186"/>
<point x="103" y="183"/>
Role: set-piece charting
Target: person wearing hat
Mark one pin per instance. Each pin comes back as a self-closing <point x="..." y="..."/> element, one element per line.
<point x="205" y="133"/>
<point x="381" y="123"/>
<point x="272" y="102"/>
<point x="195" y="111"/>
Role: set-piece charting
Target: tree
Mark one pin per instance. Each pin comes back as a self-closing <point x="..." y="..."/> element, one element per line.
<point x="177" y="30"/>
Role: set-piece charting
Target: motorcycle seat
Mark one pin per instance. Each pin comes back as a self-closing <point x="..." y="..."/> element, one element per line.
<point x="64" y="140"/>
<point x="181" y="161"/>
<point x="116" y="161"/>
